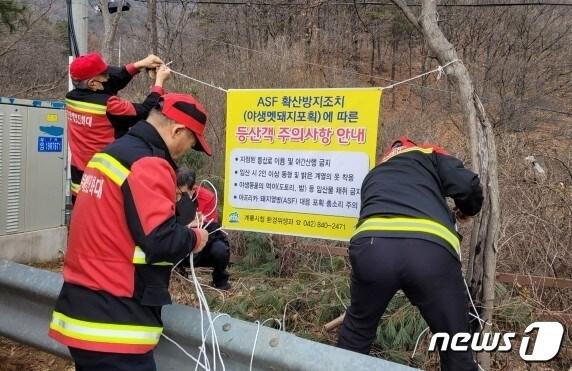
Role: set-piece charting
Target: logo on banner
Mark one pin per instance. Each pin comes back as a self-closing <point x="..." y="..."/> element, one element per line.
<point x="233" y="217"/>
<point x="543" y="348"/>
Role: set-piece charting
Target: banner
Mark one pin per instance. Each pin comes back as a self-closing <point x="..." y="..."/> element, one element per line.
<point x="296" y="159"/>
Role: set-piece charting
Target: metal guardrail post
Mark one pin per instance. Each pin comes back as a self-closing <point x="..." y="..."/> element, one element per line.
<point x="27" y="297"/>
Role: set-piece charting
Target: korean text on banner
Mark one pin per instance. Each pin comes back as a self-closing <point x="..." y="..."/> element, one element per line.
<point x="296" y="159"/>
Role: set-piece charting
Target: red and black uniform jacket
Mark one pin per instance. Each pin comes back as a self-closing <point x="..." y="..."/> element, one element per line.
<point x="405" y="195"/>
<point x="123" y="242"/>
<point x="207" y="203"/>
<point x="97" y="118"/>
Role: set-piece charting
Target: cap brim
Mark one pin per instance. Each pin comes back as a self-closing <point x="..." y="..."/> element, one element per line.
<point x="202" y="145"/>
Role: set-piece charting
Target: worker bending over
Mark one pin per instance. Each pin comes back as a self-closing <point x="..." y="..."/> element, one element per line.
<point x="406" y="240"/>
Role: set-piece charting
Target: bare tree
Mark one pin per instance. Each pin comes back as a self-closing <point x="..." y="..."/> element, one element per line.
<point x="29" y="21"/>
<point x="110" y="24"/>
<point x="11" y="14"/>
<point x="151" y="26"/>
<point x="25" y="71"/>
<point x="482" y="261"/>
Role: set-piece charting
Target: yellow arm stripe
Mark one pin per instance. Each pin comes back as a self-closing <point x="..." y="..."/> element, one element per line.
<point x="96" y="109"/>
<point x="140" y="258"/>
<point x="110" y="167"/>
<point x="75" y="187"/>
<point x="410" y="225"/>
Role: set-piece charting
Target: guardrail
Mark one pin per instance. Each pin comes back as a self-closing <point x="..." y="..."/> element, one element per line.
<point x="27" y="297"/>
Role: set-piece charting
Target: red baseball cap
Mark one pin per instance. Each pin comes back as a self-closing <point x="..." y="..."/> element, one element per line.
<point x="186" y="110"/>
<point x="87" y="66"/>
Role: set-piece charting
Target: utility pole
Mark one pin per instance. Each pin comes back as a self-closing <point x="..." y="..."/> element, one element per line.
<point x="79" y="14"/>
<point x="77" y="29"/>
<point x="77" y="34"/>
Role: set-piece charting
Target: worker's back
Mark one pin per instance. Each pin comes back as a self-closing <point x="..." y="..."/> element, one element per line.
<point x="406" y="240"/>
<point x="89" y="128"/>
<point x="409" y="186"/>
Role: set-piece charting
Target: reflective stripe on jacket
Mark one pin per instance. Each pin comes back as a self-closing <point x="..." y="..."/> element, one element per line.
<point x="410" y="225"/>
<point x="123" y="242"/>
<point x="404" y="196"/>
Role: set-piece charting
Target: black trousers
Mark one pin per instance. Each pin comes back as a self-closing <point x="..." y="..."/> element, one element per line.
<point x="430" y="277"/>
<point x="216" y="254"/>
<point x="86" y="360"/>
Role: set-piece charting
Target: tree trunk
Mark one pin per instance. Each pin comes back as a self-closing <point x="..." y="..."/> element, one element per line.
<point x="424" y="64"/>
<point x="110" y="23"/>
<point x="152" y="26"/>
<point x="372" y="60"/>
<point x="482" y="260"/>
<point x="394" y="49"/>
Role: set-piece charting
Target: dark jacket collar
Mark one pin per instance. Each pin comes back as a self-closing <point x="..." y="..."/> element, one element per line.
<point x="146" y="132"/>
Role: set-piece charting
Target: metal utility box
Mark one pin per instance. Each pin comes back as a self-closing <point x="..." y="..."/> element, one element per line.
<point x="33" y="153"/>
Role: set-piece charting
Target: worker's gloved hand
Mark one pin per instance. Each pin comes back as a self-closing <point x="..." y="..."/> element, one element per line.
<point x="461" y="218"/>
<point x="204" y="236"/>
<point x="151" y="61"/>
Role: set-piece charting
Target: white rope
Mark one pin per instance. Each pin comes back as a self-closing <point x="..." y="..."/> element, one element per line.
<point x="216" y="348"/>
<point x="254" y="346"/>
<point x="215" y="193"/>
<point x="439" y="70"/>
<point x="184" y="351"/>
<point x="203" y="302"/>
<point x="213" y="209"/>
<point x="218" y="229"/>
<point x="476" y="315"/>
<point x="208" y="223"/>
<point x="199" y="81"/>
<point x="275" y="320"/>
<point x="217" y="317"/>
<point x="417" y="342"/>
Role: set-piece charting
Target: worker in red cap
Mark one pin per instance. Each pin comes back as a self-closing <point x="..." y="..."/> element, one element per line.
<point x="197" y="204"/>
<point x="124" y="240"/>
<point x="406" y="239"/>
<point x="95" y="114"/>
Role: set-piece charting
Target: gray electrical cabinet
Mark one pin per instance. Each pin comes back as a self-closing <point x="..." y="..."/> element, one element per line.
<point x="33" y="153"/>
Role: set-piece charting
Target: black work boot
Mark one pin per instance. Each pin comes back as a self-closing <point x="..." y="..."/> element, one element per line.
<point x="223" y="285"/>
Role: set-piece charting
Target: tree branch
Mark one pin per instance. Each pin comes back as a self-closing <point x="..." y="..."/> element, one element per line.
<point x="110" y="24"/>
<point x="29" y="27"/>
<point x="408" y="14"/>
<point x="42" y="88"/>
<point x="365" y="26"/>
